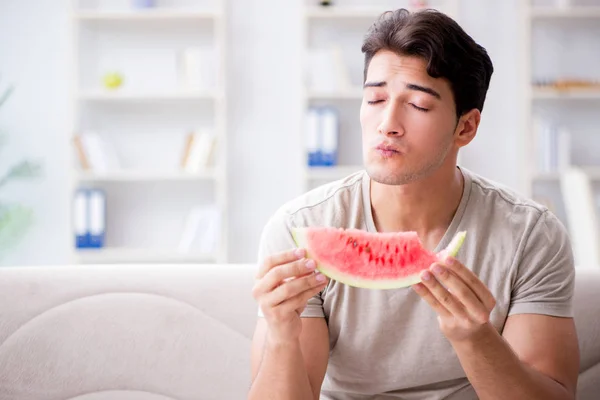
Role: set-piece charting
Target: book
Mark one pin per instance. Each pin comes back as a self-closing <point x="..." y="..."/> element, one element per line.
<point x="81" y="153"/>
<point x="582" y="216"/>
<point x="96" y="153"/>
<point x="552" y="146"/>
<point x="199" y="148"/>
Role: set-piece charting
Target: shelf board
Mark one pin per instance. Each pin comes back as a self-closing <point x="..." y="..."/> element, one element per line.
<point x="151" y="96"/>
<point x="144" y="176"/>
<point x="348" y="12"/>
<point x="145" y="15"/>
<point x="572" y="12"/>
<point x="353" y="94"/>
<point x="592" y="172"/>
<point x="135" y="255"/>
<point x="334" y="172"/>
<point x="336" y="12"/>
<point x="551" y="93"/>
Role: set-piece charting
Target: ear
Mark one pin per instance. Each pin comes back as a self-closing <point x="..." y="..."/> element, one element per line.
<point x="466" y="129"/>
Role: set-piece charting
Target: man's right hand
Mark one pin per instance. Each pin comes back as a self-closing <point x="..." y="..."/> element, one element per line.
<point x="285" y="283"/>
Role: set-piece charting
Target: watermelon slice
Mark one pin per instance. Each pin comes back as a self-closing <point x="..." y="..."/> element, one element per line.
<point x="370" y="260"/>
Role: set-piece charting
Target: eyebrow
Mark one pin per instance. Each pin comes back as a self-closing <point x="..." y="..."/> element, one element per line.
<point x="410" y="86"/>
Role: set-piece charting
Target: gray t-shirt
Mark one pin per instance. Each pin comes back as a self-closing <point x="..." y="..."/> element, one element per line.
<point x="386" y="344"/>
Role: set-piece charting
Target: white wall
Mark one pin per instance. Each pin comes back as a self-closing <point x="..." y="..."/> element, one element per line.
<point x="33" y="44"/>
<point x="264" y="111"/>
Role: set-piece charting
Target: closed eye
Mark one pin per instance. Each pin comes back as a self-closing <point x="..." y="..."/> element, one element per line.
<point x="374" y="101"/>
<point x="419" y="108"/>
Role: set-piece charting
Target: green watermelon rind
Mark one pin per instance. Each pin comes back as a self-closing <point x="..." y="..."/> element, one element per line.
<point x="299" y="237"/>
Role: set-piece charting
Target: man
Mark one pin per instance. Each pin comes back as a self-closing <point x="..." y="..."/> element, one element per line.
<point x="494" y="323"/>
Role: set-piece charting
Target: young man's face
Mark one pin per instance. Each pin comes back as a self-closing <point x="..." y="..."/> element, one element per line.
<point x="408" y="120"/>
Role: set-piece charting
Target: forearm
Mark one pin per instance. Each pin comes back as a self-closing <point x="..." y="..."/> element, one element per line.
<point x="496" y="372"/>
<point x="282" y="374"/>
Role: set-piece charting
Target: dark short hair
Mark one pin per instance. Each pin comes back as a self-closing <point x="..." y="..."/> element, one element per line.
<point x="448" y="50"/>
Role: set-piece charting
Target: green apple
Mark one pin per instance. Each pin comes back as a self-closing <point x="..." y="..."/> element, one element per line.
<point x="113" y="80"/>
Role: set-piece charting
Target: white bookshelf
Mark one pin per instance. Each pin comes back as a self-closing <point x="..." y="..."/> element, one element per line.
<point x="554" y="12"/>
<point x="150" y="196"/>
<point x="565" y="94"/>
<point x="146" y="176"/>
<point x="592" y="172"/>
<point x="343" y="24"/>
<point x="106" y="96"/>
<point x="146" y="15"/>
<point x="342" y="12"/>
<point x="556" y="20"/>
<point x="558" y="41"/>
<point x="141" y="255"/>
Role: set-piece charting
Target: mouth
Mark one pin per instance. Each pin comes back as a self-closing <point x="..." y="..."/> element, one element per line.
<point x="387" y="150"/>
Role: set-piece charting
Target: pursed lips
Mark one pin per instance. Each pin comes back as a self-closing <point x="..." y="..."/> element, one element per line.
<point x="387" y="149"/>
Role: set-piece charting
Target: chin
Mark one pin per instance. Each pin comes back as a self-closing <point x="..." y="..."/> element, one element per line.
<point x="390" y="173"/>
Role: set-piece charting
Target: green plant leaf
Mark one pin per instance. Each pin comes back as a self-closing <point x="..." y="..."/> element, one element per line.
<point x="14" y="222"/>
<point x="4" y="97"/>
<point x="22" y="170"/>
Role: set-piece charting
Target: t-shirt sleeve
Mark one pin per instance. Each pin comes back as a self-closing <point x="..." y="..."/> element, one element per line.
<point x="276" y="237"/>
<point x="546" y="273"/>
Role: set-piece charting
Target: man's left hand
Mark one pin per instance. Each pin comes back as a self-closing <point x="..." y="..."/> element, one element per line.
<point x="463" y="303"/>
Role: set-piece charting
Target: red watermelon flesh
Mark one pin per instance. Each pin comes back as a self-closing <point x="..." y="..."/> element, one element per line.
<point x="370" y="260"/>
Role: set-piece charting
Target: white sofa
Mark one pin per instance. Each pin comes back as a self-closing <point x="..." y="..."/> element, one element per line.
<point x="160" y="332"/>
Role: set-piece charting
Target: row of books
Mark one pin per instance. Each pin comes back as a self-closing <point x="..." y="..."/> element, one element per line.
<point x="552" y="146"/>
<point x="97" y="154"/>
<point x="200" y="232"/>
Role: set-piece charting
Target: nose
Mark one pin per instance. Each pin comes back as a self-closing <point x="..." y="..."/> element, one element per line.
<point x="391" y="124"/>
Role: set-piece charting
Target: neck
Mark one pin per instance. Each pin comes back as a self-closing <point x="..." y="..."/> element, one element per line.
<point x="426" y="206"/>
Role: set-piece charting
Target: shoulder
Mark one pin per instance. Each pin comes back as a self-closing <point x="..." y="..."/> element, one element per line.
<point x="505" y="207"/>
<point x="491" y="192"/>
<point x="513" y="215"/>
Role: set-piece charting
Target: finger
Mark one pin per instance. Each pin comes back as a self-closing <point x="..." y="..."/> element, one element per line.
<point x="293" y="288"/>
<point x="443" y="296"/>
<point x="298" y="302"/>
<point x="275" y="260"/>
<point x="461" y="292"/>
<point x="277" y="275"/>
<point x="426" y="295"/>
<point x="472" y="281"/>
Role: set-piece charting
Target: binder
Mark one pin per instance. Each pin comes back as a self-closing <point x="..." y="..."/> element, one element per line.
<point x="322" y="136"/>
<point x="80" y="219"/>
<point x="97" y="218"/>
<point x="313" y="134"/>
<point x="329" y="136"/>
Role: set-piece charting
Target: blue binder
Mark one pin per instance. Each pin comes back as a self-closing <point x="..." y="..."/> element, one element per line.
<point x="89" y="218"/>
<point x="97" y="218"/>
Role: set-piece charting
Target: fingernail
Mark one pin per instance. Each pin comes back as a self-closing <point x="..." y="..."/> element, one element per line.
<point x="320" y="277"/>
<point x="437" y="269"/>
<point x="299" y="253"/>
<point x="310" y="264"/>
<point x="426" y="276"/>
<point x="450" y="260"/>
